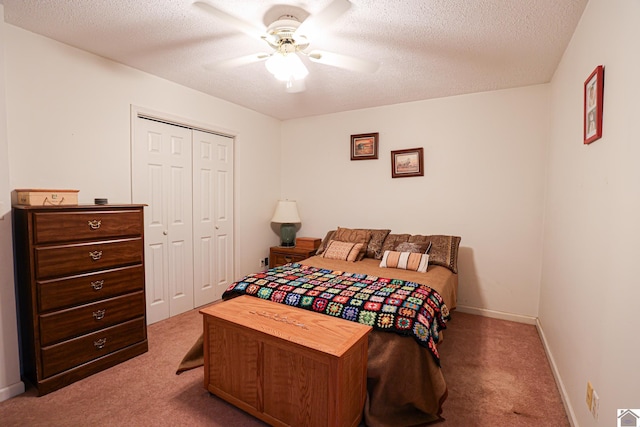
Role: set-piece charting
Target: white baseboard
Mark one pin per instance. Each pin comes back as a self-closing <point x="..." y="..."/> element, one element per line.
<point x="497" y="314"/>
<point x="11" y="390"/>
<point x="556" y="375"/>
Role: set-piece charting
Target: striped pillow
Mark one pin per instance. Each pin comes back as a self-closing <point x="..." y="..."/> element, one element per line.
<point x="344" y="251"/>
<point x="405" y="261"/>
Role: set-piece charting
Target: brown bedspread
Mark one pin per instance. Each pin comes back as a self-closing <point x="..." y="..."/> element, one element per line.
<point x="405" y="387"/>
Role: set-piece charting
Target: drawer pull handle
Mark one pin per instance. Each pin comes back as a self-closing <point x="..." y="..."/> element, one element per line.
<point x="100" y="343"/>
<point x="95" y="224"/>
<point x="99" y="314"/>
<point x="95" y="255"/>
<point x="97" y="285"/>
<point x="288" y="259"/>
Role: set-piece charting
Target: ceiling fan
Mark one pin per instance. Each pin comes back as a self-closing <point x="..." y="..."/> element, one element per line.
<point x="287" y="37"/>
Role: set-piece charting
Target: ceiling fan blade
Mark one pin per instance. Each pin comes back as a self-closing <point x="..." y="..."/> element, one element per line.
<point x="236" y="62"/>
<point x="239" y="24"/>
<point x="324" y="18"/>
<point x="343" y="61"/>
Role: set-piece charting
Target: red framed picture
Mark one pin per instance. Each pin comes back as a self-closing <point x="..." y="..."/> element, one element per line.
<point x="593" y="89"/>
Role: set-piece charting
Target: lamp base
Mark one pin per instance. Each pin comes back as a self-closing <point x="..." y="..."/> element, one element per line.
<point x="288" y="235"/>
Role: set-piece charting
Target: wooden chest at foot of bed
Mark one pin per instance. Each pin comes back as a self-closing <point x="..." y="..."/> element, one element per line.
<point x="285" y="365"/>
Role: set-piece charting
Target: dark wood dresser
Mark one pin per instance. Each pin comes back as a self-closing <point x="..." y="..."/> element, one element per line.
<point x="81" y="299"/>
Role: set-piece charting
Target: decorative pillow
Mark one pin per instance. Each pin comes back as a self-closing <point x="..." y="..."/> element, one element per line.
<point x="354" y="235"/>
<point x="405" y="261"/>
<point x="325" y="242"/>
<point x="344" y="251"/>
<point x="393" y="240"/>
<point x="374" y="248"/>
<point x="421" y="248"/>
<point x="444" y="250"/>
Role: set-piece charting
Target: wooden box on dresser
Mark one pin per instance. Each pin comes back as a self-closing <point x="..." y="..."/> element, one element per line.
<point x="80" y="283"/>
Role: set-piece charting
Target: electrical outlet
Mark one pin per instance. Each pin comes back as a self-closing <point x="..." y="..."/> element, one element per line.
<point x="261" y="263"/>
<point x="589" y="395"/>
<point x="595" y="404"/>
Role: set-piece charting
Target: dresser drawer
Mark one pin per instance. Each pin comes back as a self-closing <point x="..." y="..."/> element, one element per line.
<point x="75" y="290"/>
<point x="68" y="354"/>
<point x="58" y="261"/>
<point x="72" y="322"/>
<point x="96" y="225"/>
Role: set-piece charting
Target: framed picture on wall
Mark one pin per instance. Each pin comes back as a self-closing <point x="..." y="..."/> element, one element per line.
<point x="364" y="146"/>
<point x="405" y="163"/>
<point x="593" y="89"/>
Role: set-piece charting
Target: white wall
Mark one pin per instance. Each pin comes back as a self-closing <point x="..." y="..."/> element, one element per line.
<point x="68" y="126"/>
<point x="589" y="292"/>
<point x="10" y="384"/>
<point x="484" y="181"/>
<point x="486" y="161"/>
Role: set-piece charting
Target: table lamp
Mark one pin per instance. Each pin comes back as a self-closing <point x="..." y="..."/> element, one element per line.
<point x="287" y="215"/>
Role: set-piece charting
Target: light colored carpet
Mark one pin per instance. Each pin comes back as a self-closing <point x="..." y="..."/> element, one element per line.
<point x="498" y="375"/>
<point x="496" y="372"/>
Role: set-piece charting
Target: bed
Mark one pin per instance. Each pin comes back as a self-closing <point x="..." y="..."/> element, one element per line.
<point x="405" y="386"/>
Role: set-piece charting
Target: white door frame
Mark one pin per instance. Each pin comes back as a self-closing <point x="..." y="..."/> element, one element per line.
<point x="138" y="111"/>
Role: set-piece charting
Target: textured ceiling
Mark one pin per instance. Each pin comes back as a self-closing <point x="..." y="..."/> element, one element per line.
<point x="426" y="48"/>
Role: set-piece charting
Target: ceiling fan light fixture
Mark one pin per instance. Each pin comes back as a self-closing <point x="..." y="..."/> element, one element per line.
<point x="286" y="67"/>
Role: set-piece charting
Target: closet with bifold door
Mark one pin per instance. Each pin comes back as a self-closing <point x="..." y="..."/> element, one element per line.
<point x="184" y="176"/>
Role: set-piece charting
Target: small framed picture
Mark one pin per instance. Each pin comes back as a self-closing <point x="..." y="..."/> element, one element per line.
<point x="593" y="89"/>
<point x="406" y="163"/>
<point x="364" y="146"/>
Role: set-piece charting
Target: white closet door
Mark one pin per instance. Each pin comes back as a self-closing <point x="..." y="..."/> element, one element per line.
<point x="162" y="179"/>
<point x="212" y="215"/>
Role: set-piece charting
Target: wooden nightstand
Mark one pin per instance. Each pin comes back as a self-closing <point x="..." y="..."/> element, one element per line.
<point x="279" y="255"/>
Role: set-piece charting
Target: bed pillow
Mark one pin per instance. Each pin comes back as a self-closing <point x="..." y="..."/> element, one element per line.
<point x="374" y="247"/>
<point x="325" y="242"/>
<point x="421" y="248"/>
<point x="393" y="240"/>
<point x="344" y="251"/>
<point x="444" y="250"/>
<point x="405" y="261"/>
<point x="354" y="235"/>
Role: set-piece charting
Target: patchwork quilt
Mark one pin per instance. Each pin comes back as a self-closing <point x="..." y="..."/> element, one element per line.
<point x="392" y="305"/>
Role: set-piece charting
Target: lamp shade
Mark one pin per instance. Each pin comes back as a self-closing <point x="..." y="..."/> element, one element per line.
<point x="286" y="212"/>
